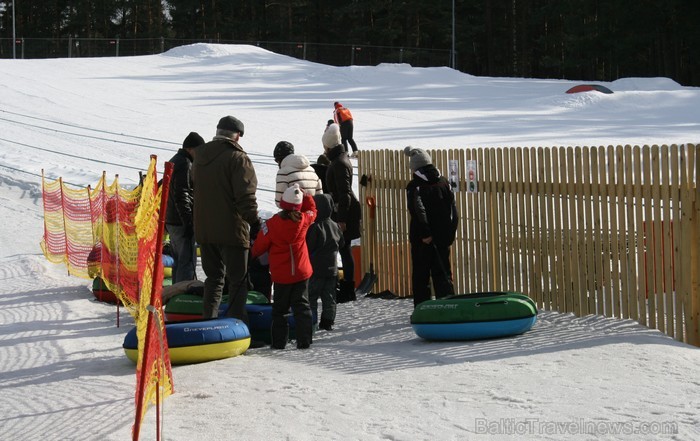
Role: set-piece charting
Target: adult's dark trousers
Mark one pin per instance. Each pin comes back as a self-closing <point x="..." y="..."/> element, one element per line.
<point x="323" y="288"/>
<point x="430" y="261"/>
<point x="296" y="297"/>
<point x="184" y="252"/>
<point x="348" y="262"/>
<point x="346" y="129"/>
<point x="221" y="262"/>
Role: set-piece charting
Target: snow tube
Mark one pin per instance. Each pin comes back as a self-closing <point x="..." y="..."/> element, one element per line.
<point x="474" y="316"/>
<point x="102" y="293"/>
<point x="260" y="322"/>
<point x="105" y="295"/>
<point x="188" y="306"/>
<point x="588" y="88"/>
<point x="198" y="341"/>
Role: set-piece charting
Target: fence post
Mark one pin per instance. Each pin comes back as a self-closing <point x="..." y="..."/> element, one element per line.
<point x="352" y="55"/>
<point x="304" y="51"/>
<point x="23" y="48"/>
<point x="70" y="45"/>
<point x="694" y="328"/>
<point x="117" y="47"/>
<point x="401" y="55"/>
<point x="162" y="44"/>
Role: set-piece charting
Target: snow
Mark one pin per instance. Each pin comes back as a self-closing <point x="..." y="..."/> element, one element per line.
<point x="64" y="376"/>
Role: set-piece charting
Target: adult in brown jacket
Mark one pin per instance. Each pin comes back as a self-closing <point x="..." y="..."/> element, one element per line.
<point x="225" y="215"/>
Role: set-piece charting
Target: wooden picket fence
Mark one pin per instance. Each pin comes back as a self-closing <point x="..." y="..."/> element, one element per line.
<point x="609" y="230"/>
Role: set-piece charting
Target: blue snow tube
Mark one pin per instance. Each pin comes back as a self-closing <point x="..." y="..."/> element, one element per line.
<point x="198" y="341"/>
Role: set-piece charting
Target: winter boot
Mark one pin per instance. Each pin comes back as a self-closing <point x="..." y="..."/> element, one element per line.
<point x="346" y="292"/>
<point x="279" y="333"/>
<point x="326" y="324"/>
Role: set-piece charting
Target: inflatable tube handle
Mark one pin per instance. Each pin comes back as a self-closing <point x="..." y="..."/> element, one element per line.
<point x="495" y="302"/>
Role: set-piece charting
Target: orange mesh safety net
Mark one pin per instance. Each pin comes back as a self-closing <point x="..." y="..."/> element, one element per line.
<point x="116" y="234"/>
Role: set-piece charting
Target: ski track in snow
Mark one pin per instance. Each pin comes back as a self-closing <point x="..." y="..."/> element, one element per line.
<point x="46" y="382"/>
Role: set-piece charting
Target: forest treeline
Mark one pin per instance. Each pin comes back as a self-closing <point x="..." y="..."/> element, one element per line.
<point x="570" y="39"/>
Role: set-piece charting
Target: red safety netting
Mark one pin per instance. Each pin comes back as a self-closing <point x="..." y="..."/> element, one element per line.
<point x="116" y="234"/>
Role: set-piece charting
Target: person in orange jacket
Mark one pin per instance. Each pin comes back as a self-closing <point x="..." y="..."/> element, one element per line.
<point x="284" y="237"/>
<point x="343" y="117"/>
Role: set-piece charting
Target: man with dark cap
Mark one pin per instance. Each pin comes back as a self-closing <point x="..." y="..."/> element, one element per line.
<point x="179" y="217"/>
<point x="225" y="217"/>
<point x="433" y="226"/>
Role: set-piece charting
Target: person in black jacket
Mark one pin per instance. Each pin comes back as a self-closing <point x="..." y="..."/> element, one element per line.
<point x="324" y="239"/>
<point x="321" y="165"/>
<point x="179" y="211"/>
<point x="347" y="208"/>
<point x="433" y="226"/>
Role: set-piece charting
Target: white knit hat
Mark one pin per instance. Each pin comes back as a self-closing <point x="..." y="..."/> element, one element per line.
<point x="292" y="198"/>
<point x="331" y="137"/>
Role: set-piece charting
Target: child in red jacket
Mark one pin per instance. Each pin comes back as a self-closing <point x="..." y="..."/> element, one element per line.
<point x="284" y="236"/>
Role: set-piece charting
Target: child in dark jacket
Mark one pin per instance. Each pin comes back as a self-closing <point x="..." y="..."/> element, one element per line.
<point x="284" y="237"/>
<point x="324" y="239"/>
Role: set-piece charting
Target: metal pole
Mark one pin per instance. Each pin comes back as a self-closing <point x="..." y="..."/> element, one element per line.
<point x="14" y="33"/>
<point x="454" y="61"/>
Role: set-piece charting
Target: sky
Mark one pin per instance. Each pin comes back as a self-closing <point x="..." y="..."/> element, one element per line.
<point x="64" y="375"/>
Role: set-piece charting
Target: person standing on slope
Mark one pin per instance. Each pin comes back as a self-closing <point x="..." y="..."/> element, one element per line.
<point x="343" y="117"/>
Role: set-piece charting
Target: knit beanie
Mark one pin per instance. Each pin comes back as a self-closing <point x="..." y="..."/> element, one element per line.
<point x="193" y="140"/>
<point x="292" y="198"/>
<point x="417" y="158"/>
<point x="230" y="123"/>
<point x="282" y="150"/>
<point x="331" y="137"/>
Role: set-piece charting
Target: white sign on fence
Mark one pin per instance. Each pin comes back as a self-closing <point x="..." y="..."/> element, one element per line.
<point x="453" y="175"/>
<point x="471" y="176"/>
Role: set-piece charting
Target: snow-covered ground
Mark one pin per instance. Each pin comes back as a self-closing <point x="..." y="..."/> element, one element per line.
<point x="64" y="376"/>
